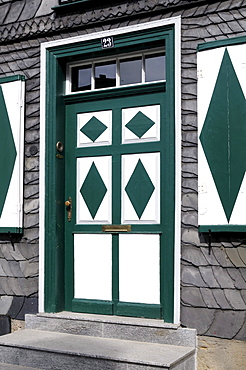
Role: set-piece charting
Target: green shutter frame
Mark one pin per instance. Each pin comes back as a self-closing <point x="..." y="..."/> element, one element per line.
<point x="222" y="137"/>
<point x="11" y="153"/>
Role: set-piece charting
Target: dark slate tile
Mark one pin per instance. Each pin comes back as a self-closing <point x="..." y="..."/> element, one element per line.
<point x="189" y="201"/>
<point x="222" y="257"/>
<point x="235" y="299"/>
<point x="193" y="255"/>
<point x="220" y="298"/>
<point x="214" y="30"/>
<point x="223" y="278"/>
<point x="45" y="7"/>
<point x="215" y="18"/>
<point x="190" y="238"/>
<point x="6" y="251"/>
<point x="208" y="276"/>
<point x="197" y="318"/>
<point x="235" y="26"/>
<point x="226" y="324"/>
<point x="5" y="325"/>
<point x="208" y="298"/>
<point x="28" y="286"/>
<point x="29" y="251"/>
<point x="190" y="185"/>
<point x="31" y="206"/>
<point x="212" y="7"/>
<point x="14" y="11"/>
<point x="2" y="272"/>
<point x="30" y="305"/>
<point x="226" y="16"/>
<point x="15" y="286"/>
<point x="15" y="307"/>
<point x="4" y="283"/>
<point x="192" y="296"/>
<point x="241" y="335"/>
<point x="225" y="29"/>
<point x="237" y="3"/>
<point x="5" y="265"/>
<point x="29" y="268"/>
<point x="15" y="253"/>
<point x="190" y="275"/>
<point x="242" y="253"/>
<point x="3" y="12"/>
<point x="188" y="13"/>
<point x="31" y="235"/>
<point x="224" y="5"/>
<point x="233" y="256"/>
<point x="15" y="268"/>
<point x="242" y="23"/>
<point x="30" y="9"/>
<point x="190" y="218"/>
<point x="200" y="10"/>
<point x="236" y="275"/>
<point x="31" y="220"/>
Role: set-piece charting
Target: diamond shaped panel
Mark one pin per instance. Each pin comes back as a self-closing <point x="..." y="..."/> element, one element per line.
<point x="140" y="124"/>
<point x="139" y="188"/>
<point x="93" y="129"/>
<point x="7" y="152"/>
<point x="223" y="135"/>
<point x="93" y="190"/>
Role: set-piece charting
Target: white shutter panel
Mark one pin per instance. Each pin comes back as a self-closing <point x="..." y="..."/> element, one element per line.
<point x="222" y="138"/>
<point x="12" y="91"/>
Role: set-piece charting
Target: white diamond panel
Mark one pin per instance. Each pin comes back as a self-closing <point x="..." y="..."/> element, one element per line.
<point x="103" y="165"/>
<point x="105" y="138"/>
<point x="153" y="134"/>
<point x="151" y="214"/>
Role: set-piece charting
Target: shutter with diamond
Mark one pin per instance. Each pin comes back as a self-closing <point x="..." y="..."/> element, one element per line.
<point x="12" y="153"/>
<point x="114" y="249"/>
<point x="222" y="135"/>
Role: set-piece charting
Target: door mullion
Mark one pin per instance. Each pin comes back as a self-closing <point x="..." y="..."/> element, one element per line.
<point x="116" y="203"/>
<point x="115" y="270"/>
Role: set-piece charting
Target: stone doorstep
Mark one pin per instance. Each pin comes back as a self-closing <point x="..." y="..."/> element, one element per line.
<point x="15" y="367"/>
<point x="123" y="351"/>
<point x="124" y="320"/>
<point x="117" y="327"/>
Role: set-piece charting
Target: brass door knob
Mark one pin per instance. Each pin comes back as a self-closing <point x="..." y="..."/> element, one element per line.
<point x="68" y="203"/>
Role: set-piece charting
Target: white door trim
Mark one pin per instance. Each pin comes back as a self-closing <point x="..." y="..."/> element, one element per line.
<point x="176" y="21"/>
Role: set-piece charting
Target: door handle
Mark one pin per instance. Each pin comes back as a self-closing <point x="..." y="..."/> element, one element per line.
<point x="68" y="204"/>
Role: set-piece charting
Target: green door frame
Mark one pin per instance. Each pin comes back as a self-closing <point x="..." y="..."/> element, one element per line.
<point x="56" y="59"/>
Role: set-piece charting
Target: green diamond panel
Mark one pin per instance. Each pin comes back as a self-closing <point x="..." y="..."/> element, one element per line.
<point x="93" y="129"/>
<point x="223" y="136"/>
<point x="93" y="190"/>
<point x="7" y="151"/>
<point x="139" y="188"/>
<point x="140" y="124"/>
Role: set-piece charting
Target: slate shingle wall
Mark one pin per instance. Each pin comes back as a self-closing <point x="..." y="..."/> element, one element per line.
<point x="213" y="285"/>
<point x="213" y="292"/>
<point x="19" y="259"/>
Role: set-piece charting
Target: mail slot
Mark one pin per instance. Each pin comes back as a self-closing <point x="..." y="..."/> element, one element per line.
<point x="116" y="228"/>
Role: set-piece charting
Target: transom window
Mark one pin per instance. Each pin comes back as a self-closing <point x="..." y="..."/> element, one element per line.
<point x="147" y="67"/>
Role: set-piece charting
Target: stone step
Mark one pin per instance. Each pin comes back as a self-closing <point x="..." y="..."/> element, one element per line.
<point x="52" y="350"/>
<point x="15" y="367"/>
<point x="142" y="330"/>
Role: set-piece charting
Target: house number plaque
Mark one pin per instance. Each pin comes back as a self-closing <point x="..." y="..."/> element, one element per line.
<point x="107" y="42"/>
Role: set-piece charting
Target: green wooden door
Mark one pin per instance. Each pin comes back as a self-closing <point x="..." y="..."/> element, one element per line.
<point x="120" y="182"/>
